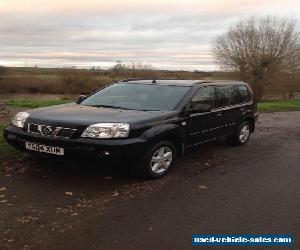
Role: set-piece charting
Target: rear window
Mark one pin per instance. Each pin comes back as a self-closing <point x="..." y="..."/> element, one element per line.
<point x="228" y="95"/>
<point x="244" y="93"/>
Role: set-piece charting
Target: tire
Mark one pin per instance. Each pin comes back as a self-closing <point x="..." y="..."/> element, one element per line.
<point x="241" y="135"/>
<point x="153" y="165"/>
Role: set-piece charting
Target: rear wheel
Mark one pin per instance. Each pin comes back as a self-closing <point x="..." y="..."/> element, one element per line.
<point x="241" y="135"/>
<point x="157" y="161"/>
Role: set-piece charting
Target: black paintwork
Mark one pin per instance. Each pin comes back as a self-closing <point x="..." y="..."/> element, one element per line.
<point x="183" y="127"/>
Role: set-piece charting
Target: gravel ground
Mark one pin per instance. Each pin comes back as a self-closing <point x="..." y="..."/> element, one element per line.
<point x="215" y="188"/>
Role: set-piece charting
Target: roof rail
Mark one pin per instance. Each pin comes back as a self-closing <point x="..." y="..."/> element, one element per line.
<point x="134" y="79"/>
<point x="155" y="79"/>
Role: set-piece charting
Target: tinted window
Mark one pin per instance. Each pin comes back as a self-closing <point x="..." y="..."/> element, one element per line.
<point x="205" y="95"/>
<point x="138" y="96"/>
<point x="228" y="95"/>
<point x="244" y="93"/>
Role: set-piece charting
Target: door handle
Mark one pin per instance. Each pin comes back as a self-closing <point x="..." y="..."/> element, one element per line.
<point x="242" y="109"/>
<point x="219" y="114"/>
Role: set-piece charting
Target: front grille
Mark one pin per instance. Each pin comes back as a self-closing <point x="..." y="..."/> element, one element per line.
<point x="51" y="130"/>
<point x="33" y="128"/>
<point x="66" y="132"/>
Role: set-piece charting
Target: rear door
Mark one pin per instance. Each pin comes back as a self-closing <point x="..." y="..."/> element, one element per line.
<point x="201" y="126"/>
<point x="229" y="108"/>
<point x="246" y="99"/>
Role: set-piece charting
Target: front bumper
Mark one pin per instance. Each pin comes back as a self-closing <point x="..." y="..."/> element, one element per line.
<point x="117" y="148"/>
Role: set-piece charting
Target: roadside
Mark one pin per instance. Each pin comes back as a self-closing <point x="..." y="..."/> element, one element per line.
<point x="15" y="106"/>
<point x="213" y="189"/>
<point x="4" y="120"/>
<point x="5" y="149"/>
<point x="264" y="106"/>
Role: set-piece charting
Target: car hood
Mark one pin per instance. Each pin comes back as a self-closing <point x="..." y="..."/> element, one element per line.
<point x="73" y="115"/>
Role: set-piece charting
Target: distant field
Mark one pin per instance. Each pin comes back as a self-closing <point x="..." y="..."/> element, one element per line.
<point x="69" y="81"/>
<point x="82" y="81"/>
<point x="53" y="81"/>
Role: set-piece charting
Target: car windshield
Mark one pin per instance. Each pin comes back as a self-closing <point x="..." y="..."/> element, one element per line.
<point x="138" y="96"/>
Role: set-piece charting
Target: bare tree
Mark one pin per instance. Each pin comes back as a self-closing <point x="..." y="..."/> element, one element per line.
<point x="291" y="85"/>
<point x="118" y="68"/>
<point x="133" y="69"/>
<point x="138" y="68"/>
<point x="259" y="47"/>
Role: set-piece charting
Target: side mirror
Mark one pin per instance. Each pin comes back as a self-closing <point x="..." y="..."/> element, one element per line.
<point x="80" y="98"/>
<point x="200" y="108"/>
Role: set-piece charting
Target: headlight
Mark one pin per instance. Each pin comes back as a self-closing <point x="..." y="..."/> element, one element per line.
<point x="107" y="130"/>
<point x="19" y="119"/>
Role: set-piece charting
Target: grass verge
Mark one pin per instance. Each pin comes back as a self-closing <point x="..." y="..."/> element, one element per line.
<point x="29" y="103"/>
<point x="5" y="149"/>
<point x="277" y="106"/>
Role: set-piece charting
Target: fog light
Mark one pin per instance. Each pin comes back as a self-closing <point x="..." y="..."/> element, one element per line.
<point x="106" y="153"/>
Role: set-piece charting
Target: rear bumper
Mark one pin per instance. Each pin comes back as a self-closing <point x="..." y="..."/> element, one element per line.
<point x="117" y="148"/>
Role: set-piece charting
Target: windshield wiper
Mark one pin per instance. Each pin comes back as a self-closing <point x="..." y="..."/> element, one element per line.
<point x="116" y="107"/>
<point x="110" y="106"/>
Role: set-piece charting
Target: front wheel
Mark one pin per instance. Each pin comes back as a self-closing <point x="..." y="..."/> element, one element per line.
<point x="241" y="135"/>
<point x="157" y="161"/>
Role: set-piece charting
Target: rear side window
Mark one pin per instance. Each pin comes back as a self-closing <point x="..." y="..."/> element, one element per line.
<point x="228" y="95"/>
<point x="244" y="93"/>
<point x="205" y="95"/>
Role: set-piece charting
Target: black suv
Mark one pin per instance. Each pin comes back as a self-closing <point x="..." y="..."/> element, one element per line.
<point x="150" y="121"/>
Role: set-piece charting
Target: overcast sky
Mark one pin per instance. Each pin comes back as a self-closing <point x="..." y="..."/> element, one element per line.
<point x="169" y="34"/>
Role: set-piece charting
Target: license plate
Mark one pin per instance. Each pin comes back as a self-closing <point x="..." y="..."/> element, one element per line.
<point x="44" y="148"/>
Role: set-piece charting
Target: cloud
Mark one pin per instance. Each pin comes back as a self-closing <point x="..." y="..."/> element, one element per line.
<point x="170" y="34"/>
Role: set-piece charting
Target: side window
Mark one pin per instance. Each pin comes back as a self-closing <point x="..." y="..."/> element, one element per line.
<point x="228" y="95"/>
<point x="244" y="93"/>
<point x="204" y="96"/>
